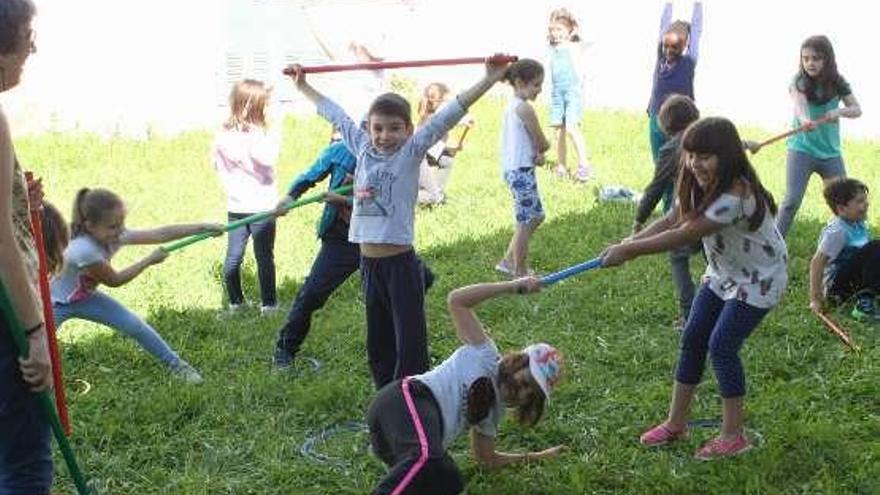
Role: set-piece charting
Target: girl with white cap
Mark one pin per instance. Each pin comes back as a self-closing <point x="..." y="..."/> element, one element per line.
<point x="414" y="420"/>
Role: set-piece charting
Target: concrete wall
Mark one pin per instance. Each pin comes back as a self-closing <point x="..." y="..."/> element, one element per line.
<point x="129" y="66"/>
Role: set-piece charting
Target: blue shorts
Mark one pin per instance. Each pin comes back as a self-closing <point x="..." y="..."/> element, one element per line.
<point x="566" y="107"/>
<point x="524" y="187"/>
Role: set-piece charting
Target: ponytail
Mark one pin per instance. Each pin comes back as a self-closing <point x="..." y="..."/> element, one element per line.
<point x="91" y="205"/>
<point x="55" y="237"/>
<point x="78" y="217"/>
<point x="480" y="400"/>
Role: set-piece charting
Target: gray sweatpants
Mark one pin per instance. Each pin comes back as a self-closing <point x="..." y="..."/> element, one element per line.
<point x="799" y="167"/>
<point x="680" y="263"/>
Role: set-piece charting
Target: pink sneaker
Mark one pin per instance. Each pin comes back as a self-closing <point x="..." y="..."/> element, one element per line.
<point x="661" y="435"/>
<point x="720" y="447"/>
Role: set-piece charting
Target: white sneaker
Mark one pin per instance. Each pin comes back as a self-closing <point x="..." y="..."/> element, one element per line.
<point x="186" y="372"/>
<point x="269" y="310"/>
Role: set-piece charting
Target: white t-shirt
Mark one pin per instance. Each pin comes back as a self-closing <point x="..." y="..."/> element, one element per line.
<point x="750" y="266"/>
<point x="72" y="284"/>
<point x="450" y="381"/>
<point x="516" y="147"/>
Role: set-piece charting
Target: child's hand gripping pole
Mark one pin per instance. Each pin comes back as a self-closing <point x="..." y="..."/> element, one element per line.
<point x="572" y="270"/>
<point x="36" y="205"/>
<point x="17" y="330"/>
<point x="316" y="69"/>
<point x="755" y="147"/>
<point x="182" y="243"/>
<point x="835" y="329"/>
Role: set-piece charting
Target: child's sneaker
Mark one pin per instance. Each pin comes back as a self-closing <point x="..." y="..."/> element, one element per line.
<point x="282" y="359"/>
<point x="560" y="171"/>
<point x="269" y="310"/>
<point x="503" y="268"/>
<point x="721" y="447"/>
<point x="865" y="309"/>
<point x="186" y="372"/>
<point x="231" y="311"/>
<point x="583" y="174"/>
<point x="661" y="435"/>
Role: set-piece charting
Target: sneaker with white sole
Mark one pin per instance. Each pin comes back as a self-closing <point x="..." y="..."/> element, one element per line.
<point x="269" y="310"/>
<point x="186" y="372"/>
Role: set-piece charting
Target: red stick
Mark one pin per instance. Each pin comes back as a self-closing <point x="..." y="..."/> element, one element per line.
<point x="48" y="316"/>
<point x="316" y="69"/>
<point x="834" y="328"/>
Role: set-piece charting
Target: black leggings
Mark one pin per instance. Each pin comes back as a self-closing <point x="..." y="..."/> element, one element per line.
<point x="408" y="438"/>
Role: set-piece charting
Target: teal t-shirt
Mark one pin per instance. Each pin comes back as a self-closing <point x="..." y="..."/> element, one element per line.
<point x="824" y="141"/>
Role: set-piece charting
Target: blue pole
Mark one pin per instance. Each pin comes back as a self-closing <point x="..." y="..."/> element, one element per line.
<point x="572" y="270"/>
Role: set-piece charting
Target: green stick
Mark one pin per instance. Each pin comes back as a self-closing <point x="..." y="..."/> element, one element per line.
<point x="182" y="243"/>
<point x="46" y="404"/>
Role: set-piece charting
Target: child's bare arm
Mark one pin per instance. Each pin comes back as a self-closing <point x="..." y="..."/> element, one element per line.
<point x="485" y="455"/>
<point x="817" y="288"/>
<point x="527" y="114"/>
<point x="104" y="273"/>
<point x="169" y="233"/>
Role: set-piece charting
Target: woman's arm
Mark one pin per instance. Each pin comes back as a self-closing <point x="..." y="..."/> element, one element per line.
<point x="104" y="273"/>
<point x="485" y="455"/>
<point x="817" y="289"/>
<point x="461" y="303"/>
<point x="662" y="224"/>
<point x="169" y="233"/>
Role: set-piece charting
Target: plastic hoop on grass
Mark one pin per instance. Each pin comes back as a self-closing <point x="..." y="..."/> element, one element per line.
<point x="321" y="437"/>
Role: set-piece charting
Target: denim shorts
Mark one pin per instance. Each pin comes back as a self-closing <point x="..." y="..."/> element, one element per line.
<point x="524" y="188"/>
<point x="566" y="106"/>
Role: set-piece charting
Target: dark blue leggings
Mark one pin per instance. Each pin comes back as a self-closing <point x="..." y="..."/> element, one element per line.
<point x="719" y="327"/>
<point x="264" y="243"/>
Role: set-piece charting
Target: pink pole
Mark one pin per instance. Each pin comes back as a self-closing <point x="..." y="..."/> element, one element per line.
<point x="317" y="69"/>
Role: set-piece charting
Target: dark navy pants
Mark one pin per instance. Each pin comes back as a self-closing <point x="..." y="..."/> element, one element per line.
<point x="718" y="327"/>
<point x="860" y="273"/>
<point x="264" y="243"/>
<point x="397" y="334"/>
<point x="25" y="450"/>
<point x="337" y="260"/>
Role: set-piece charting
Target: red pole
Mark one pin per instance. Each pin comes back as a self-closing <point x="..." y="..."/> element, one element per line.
<point x="316" y="69"/>
<point x="48" y="316"/>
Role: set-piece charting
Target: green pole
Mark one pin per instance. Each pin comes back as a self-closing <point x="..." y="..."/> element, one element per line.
<point x="17" y="330"/>
<point x="182" y="243"/>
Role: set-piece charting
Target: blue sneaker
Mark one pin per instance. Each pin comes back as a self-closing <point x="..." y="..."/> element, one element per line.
<point x="865" y="310"/>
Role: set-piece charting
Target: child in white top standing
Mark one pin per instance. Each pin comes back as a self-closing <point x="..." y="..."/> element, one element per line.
<point x="386" y="179"/>
<point x="721" y="201"/>
<point x="522" y="147"/>
<point x="566" y="67"/>
<point x="245" y="154"/>
<point x="437" y="165"/>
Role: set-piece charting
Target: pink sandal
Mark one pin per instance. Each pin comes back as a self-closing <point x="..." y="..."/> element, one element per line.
<point x="661" y="435"/>
<point x="720" y="447"/>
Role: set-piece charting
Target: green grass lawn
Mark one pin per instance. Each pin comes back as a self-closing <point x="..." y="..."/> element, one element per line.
<point x="814" y="407"/>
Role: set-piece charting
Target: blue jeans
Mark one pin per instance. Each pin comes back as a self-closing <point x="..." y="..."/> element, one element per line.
<point x="103" y="309"/>
<point x="337" y="260"/>
<point x="799" y="167"/>
<point x="719" y="327"/>
<point x="264" y="244"/>
<point x="25" y="436"/>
